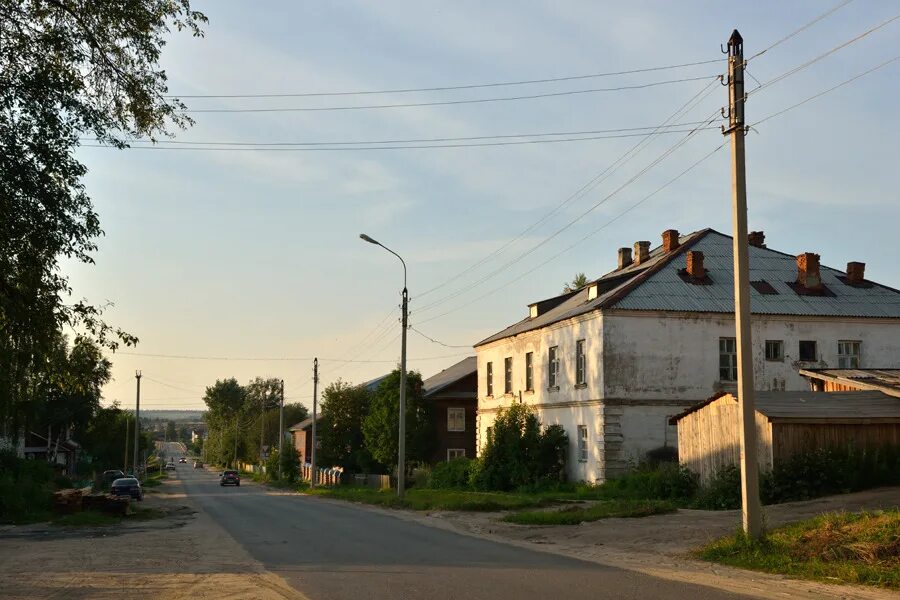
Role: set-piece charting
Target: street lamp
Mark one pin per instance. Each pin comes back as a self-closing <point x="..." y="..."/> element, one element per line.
<point x="401" y="450"/>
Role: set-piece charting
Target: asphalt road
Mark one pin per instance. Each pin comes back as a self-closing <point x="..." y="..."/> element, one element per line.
<point x="330" y="550"/>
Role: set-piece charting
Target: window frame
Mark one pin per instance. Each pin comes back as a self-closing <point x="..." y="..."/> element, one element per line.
<point x="457" y="453"/>
<point x="553" y="368"/>
<point x="729" y="370"/>
<point x="457" y="410"/>
<point x="489" y="377"/>
<point x="529" y="371"/>
<point x="582" y="431"/>
<point x="846" y="359"/>
<point x="507" y="375"/>
<point x="580" y="363"/>
<point x="815" y="347"/>
<point x="775" y="344"/>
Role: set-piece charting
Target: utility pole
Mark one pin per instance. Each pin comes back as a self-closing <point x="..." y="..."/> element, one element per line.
<point x="127" y="448"/>
<point x="401" y="445"/>
<point x="137" y="422"/>
<point x="281" y="430"/>
<point x="234" y="460"/>
<point x="752" y="517"/>
<point x="262" y="425"/>
<point x="312" y="461"/>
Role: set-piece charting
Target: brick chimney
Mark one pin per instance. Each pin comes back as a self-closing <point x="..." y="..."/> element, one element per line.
<point x="856" y="272"/>
<point x="624" y="257"/>
<point x="670" y="240"/>
<point x="757" y="238"/>
<point x="695" y="264"/>
<point x="641" y="252"/>
<point x="808" y="271"/>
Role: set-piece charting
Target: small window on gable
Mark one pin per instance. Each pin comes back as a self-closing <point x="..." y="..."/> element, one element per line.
<point x="592" y="292"/>
<point x="808" y="352"/>
<point x="533" y="311"/>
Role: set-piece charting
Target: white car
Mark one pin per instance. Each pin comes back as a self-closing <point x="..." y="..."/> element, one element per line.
<point x="170" y="466"/>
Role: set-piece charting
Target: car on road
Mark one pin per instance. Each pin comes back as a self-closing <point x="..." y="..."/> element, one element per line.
<point x="127" y="486"/>
<point x="198" y="464"/>
<point x="170" y="466"/>
<point x="182" y="460"/>
<point x="230" y="478"/>
<point x="109" y="476"/>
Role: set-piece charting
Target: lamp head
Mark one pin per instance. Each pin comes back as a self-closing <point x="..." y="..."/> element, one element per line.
<point x="363" y="236"/>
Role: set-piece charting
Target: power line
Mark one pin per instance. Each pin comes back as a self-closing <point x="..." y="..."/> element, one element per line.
<point x="506" y="285"/>
<point x="581" y="192"/>
<point x="406" y="141"/>
<point x="832" y="10"/>
<point x="454" y="87"/>
<point x="272" y="359"/>
<point x="451" y="102"/>
<point x="431" y="339"/>
<point x="823" y="92"/>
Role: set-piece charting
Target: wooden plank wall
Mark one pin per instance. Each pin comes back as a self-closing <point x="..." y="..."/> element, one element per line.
<point x="792" y="438"/>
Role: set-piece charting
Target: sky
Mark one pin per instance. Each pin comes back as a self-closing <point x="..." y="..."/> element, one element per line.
<point x="240" y="254"/>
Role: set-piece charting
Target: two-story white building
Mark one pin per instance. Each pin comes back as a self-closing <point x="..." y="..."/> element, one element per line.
<point x="614" y="360"/>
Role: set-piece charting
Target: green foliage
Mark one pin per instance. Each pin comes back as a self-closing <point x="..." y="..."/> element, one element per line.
<point x="579" y="281"/>
<point x="289" y="462"/>
<point x="426" y="499"/>
<point x="103" y="442"/>
<point x="722" y="491"/>
<point x="861" y="548"/>
<point x="666" y="482"/>
<point x="340" y="429"/>
<point x="518" y="453"/>
<point x="453" y="474"/>
<point x="26" y="487"/>
<point x="381" y="424"/>
<point x="661" y="455"/>
<point x="574" y="515"/>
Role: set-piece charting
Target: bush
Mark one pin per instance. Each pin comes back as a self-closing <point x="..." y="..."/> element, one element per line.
<point x="26" y="487"/>
<point x="723" y="492"/>
<point x="665" y="482"/>
<point x="453" y="474"/>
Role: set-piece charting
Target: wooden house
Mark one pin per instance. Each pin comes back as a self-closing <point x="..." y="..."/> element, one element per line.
<point x="787" y="423"/>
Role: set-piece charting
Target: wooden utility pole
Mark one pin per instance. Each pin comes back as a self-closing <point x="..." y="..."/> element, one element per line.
<point x="752" y="517"/>
<point x="312" y="452"/>
<point x="137" y="423"/>
<point x="262" y="425"/>
<point x="281" y="431"/>
<point x="127" y="448"/>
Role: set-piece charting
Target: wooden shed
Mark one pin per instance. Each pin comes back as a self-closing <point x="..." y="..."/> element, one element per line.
<point x="787" y="423"/>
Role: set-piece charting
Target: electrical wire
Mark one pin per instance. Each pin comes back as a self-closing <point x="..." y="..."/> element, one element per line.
<point x="431" y="339"/>
<point x="453" y="87"/>
<point x="451" y="102"/>
<point x="829" y="12"/>
<point x="270" y="359"/>
<point x="578" y="194"/>
<point x="506" y="284"/>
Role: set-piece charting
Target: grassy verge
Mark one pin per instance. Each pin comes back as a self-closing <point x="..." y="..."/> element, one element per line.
<point x="861" y="548"/>
<point x="574" y="515"/>
<point x="423" y="499"/>
<point x="87" y="518"/>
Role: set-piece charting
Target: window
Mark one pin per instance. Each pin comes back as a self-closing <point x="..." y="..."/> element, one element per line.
<point x="727" y="359"/>
<point x="580" y="378"/>
<point x="507" y="375"/>
<point x="848" y="354"/>
<point x="774" y="350"/>
<point x="808" y="350"/>
<point x="455" y="453"/>
<point x="553" y="368"/>
<point x="490" y="379"/>
<point x="529" y="371"/>
<point x="456" y="419"/>
<point x="582" y="443"/>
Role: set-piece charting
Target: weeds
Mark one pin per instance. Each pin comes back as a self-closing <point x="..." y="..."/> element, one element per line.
<point x="574" y="515"/>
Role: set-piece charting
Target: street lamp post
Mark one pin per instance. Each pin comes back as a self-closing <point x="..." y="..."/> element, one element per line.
<point x="401" y="450"/>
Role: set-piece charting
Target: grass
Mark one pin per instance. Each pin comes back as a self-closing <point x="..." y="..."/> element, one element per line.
<point x="857" y="548"/>
<point x="425" y="499"/>
<point x="87" y="518"/>
<point x="573" y="515"/>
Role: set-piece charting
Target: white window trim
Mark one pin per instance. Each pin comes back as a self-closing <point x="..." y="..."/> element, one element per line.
<point x="460" y="453"/>
<point x="580" y="363"/>
<point x="846" y="359"/>
<point x="582" y="443"/>
<point x="456" y="409"/>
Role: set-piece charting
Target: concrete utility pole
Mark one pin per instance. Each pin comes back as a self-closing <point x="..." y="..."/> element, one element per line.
<point x="127" y="447"/>
<point x="234" y="461"/>
<point x="137" y="422"/>
<point x="752" y="513"/>
<point x="312" y="454"/>
<point x="281" y="430"/>
<point x="262" y="425"/>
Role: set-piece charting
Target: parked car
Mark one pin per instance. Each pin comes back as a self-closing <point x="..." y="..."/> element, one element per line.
<point x="170" y="466"/>
<point x="230" y="478"/>
<point x="127" y="486"/>
<point x="198" y="464"/>
<point x="182" y="460"/>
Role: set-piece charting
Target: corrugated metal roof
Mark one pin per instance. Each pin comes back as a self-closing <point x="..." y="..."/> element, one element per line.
<point x="815" y="406"/>
<point x="450" y="375"/>
<point x="656" y="285"/>
<point x="884" y="380"/>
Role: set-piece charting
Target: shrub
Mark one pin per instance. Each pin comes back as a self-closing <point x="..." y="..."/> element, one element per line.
<point x="26" y="486"/>
<point x="453" y="474"/>
<point x="722" y="492"/>
<point x="665" y="482"/>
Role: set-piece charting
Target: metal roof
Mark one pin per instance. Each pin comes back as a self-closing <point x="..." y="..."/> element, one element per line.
<point x="656" y="285"/>
<point x="809" y="406"/>
<point x="450" y="375"/>
<point x="883" y="380"/>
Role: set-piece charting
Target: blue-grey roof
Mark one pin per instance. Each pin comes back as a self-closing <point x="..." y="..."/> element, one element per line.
<point x="656" y="285"/>
<point x="450" y="375"/>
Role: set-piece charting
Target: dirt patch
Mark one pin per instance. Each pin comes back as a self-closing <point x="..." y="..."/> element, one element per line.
<point x="182" y="554"/>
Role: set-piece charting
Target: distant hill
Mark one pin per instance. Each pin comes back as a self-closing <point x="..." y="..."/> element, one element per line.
<point x="192" y="415"/>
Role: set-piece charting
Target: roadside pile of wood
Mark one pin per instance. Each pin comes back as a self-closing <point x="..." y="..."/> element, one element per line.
<point x="66" y="502"/>
<point x="107" y="503"/>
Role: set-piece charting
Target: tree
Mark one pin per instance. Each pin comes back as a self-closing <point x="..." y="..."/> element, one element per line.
<point x="68" y="69"/>
<point x="226" y="402"/>
<point x="577" y="283"/>
<point x="380" y="426"/>
<point x="171" y="431"/>
<point x="340" y="429"/>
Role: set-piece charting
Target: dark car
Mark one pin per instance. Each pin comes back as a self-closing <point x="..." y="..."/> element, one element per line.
<point x="182" y="460"/>
<point x="230" y="478"/>
<point x="127" y="486"/>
